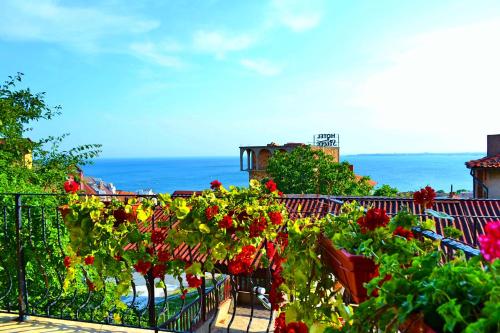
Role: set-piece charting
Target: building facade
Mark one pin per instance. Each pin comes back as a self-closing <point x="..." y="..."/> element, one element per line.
<point x="485" y="171"/>
<point x="254" y="159"/>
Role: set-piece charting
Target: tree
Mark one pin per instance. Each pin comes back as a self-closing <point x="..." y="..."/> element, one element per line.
<point x="20" y="110"/>
<point x="386" y="191"/>
<point x="306" y="170"/>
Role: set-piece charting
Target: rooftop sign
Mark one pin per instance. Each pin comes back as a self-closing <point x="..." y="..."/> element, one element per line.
<point x="326" y="140"/>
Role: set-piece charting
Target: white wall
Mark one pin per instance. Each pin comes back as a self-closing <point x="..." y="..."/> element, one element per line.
<point x="493" y="183"/>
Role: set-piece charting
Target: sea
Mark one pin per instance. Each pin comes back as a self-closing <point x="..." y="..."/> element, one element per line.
<point x="406" y="172"/>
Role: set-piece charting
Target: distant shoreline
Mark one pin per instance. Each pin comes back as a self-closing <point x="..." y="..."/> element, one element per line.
<point x="236" y="156"/>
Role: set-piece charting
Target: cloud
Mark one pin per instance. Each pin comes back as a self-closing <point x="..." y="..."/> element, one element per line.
<point x="261" y="67"/>
<point x="77" y="27"/>
<point x="442" y="86"/>
<point x="297" y="15"/>
<point x="218" y="43"/>
<point x="157" y="53"/>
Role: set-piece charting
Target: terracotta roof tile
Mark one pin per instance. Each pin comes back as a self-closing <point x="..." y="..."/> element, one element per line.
<point x="485" y="162"/>
<point x="470" y="215"/>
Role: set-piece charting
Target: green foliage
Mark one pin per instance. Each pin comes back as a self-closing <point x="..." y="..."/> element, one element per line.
<point x="386" y="191"/>
<point x="20" y="110"/>
<point x="456" y="296"/>
<point x="305" y="170"/>
<point x="310" y="287"/>
<point x="346" y="233"/>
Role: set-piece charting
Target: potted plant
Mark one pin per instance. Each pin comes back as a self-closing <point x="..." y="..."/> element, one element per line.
<point x="353" y="242"/>
<point x="434" y="295"/>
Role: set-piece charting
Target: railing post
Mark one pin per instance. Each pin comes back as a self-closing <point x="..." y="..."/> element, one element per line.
<point x="151" y="299"/>
<point x="21" y="270"/>
<point x="203" y="299"/>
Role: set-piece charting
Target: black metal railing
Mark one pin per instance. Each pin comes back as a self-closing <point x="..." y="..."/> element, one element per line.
<point x="33" y="239"/>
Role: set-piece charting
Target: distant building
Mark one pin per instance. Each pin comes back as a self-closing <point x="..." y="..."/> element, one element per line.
<point x="485" y="171"/>
<point x="254" y="159"/>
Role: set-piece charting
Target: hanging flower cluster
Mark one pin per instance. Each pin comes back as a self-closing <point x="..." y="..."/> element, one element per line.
<point x="374" y="218"/>
<point x="405" y="233"/>
<point x="242" y="263"/>
<point x="71" y="186"/>
<point x="425" y="197"/>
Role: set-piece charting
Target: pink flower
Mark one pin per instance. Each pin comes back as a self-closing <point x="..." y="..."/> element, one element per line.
<point x="490" y="241"/>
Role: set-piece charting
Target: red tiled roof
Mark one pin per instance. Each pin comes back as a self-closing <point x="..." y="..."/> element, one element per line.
<point x="485" y="162"/>
<point x="470" y="215"/>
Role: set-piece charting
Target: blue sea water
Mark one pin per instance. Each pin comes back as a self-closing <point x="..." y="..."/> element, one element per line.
<point x="404" y="171"/>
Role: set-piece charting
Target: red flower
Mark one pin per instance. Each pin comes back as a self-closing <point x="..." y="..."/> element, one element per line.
<point x="90" y="284"/>
<point x="184" y="292"/>
<point x="193" y="281"/>
<point x="210" y="212"/>
<point x="215" y="185"/>
<point x="282" y="239"/>
<point x="275" y="297"/>
<point x="226" y="222"/>
<point x="67" y="261"/>
<point x="425" y="197"/>
<point x="142" y="267"/>
<point x="257" y="227"/>
<point x="276" y="218"/>
<point x="280" y="323"/>
<point x="242" y="263"/>
<point x="150" y="250"/>
<point x="374" y="218"/>
<point x="159" y="271"/>
<point x="400" y="231"/>
<point x="270" y="250"/>
<point x="158" y="236"/>
<point x="70" y="186"/>
<point x="271" y="185"/>
<point x="163" y="256"/>
<point x="490" y="241"/>
<point x="89" y="260"/>
<point x="297" y="327"/>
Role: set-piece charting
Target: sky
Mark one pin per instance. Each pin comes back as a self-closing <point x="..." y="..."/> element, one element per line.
<point x="161" y="78"/>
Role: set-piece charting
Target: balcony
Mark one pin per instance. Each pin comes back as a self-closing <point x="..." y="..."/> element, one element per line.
<point x="33" y="241"/>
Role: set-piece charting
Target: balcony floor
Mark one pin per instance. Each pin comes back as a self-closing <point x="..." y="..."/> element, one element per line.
<point x="8" y="324"/>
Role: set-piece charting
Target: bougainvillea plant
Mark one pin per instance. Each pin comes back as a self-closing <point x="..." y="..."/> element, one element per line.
<point x="113" y="239"/>
<point x="229" y="224"/>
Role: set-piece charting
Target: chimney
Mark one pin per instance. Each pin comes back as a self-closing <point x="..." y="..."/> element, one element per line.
<point x="493" y="145"/>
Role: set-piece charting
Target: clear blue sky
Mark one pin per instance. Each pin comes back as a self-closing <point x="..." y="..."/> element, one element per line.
<point x="188" y="78"/>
